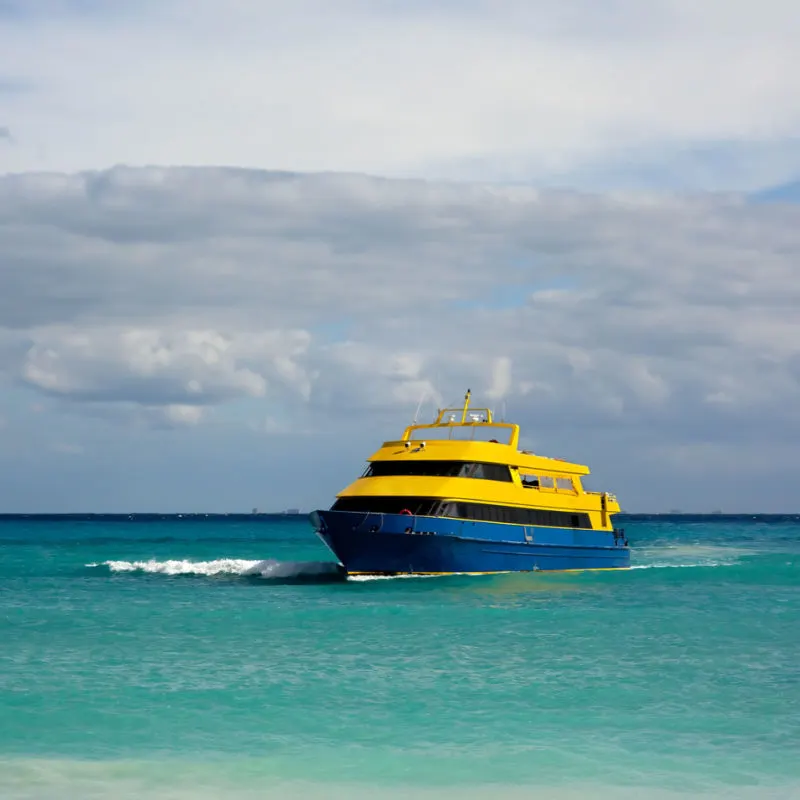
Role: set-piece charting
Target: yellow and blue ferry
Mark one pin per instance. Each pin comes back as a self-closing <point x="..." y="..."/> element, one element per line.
<point x="458" y="496"/>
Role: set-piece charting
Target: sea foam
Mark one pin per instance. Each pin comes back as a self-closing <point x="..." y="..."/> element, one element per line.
<point x="54" y="779"/>
<point x="228" y="566"/>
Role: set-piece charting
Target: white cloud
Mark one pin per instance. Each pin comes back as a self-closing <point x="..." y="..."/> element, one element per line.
<point x="98" y="364"/>
<point x="183" y="415"/>
<point x="635" y="327"/>
<point x="144" y="287"/>
<point x="481" y="89"/>
<point x="501" y="378"/>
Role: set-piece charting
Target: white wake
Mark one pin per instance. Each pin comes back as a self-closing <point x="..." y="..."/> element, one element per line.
<point x="227" y="566"/>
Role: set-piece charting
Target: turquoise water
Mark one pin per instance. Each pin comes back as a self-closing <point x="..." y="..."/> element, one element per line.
<point x="177" y="658"/>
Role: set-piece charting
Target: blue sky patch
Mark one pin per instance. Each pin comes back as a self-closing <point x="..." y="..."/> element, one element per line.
<point x="784" y="193"/>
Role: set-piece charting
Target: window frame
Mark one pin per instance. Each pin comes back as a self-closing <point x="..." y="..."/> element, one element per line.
<point x="488" y="470"/>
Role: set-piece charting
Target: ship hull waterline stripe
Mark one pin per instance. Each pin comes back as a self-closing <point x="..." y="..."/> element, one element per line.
<point x="500" y="572"/>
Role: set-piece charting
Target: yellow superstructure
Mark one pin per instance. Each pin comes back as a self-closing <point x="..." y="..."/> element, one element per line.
<point x="470" y="445"/>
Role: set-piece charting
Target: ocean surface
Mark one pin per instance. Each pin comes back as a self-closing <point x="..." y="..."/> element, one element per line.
<point x="206" y="657"/>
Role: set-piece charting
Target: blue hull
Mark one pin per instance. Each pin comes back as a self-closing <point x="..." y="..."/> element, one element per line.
<point x="372" y="542"/>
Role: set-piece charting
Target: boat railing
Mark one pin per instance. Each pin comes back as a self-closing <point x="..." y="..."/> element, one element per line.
<point x="609" y="496"/>
<point x="496" y="432"/>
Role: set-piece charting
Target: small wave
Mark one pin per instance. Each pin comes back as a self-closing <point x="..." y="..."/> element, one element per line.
<point x="692" y="555"/>
<point x="269" y="569"/>
<point x="712" y="551"/>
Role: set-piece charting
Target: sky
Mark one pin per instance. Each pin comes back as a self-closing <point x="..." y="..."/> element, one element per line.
<point x="240" y="242"/>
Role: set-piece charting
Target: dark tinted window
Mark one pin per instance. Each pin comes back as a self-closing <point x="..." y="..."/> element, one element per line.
<point x="431" y="507"/>
<point x="523" y="516"/>
<point x="423" y="506"/>
<point x="444" y="469"/>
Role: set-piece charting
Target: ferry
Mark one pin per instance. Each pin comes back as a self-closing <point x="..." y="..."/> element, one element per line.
<point x="458" y="496"/>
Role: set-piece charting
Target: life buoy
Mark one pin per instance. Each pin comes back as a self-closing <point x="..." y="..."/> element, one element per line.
<point x="406" y="512"/>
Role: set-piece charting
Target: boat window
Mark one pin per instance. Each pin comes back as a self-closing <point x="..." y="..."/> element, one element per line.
<point x="546" y="482"/>
<point x="477" y="433"/>
<point x="497" y="472"/>
<point x="431" y="434"/>
<point x="443" y="469"/>
<point x="483" y="512"/>
<point x="529" y="480"/>
<point x="523" y="516"/>
<point x="565" y="483"/>
<point x="421" y="506"/>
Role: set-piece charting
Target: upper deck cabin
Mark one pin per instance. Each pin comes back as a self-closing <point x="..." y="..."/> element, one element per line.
<point x="432" y="466"/>
<point x="471" y="435"/>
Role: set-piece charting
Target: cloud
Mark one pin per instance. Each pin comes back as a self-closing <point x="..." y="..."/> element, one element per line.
<point x="641" y="329"/>
<point x="181" y="414"/>
<point x="139" y="416"/>
<point x="536" y="90"/>
<point x="196" y="287"/>
<point x="501" y="378"/>
<point x="5" y="134"/>
<point x="139" y="364"/>
<point x="163" y="377"/>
